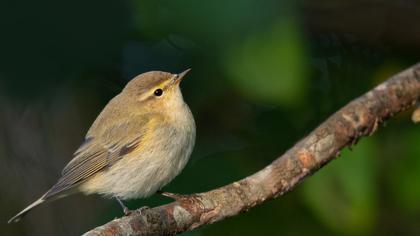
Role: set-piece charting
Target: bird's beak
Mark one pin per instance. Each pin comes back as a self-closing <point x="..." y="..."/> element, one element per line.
<point x="179" y="77"/>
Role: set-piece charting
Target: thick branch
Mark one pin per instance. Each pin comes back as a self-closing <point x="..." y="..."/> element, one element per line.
<point x="359" y="118"/>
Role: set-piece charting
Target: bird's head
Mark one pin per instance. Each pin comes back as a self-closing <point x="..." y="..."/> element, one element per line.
<point x="155" y="90"/>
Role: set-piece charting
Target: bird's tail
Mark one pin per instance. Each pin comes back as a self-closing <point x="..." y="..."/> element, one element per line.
<point x="21" y="214"/>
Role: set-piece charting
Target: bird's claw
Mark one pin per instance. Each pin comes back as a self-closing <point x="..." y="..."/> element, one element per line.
<point x="127" y="211"/>
<point x="143" y="208"/>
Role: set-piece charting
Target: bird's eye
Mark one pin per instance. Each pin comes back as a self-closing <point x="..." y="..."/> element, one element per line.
<point x="158" y="92"/>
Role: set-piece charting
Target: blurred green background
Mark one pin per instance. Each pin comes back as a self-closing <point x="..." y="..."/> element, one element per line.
<point x="264" y="74"/>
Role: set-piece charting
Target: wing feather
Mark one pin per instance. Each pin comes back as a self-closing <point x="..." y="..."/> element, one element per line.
<point x="99" y="152"/>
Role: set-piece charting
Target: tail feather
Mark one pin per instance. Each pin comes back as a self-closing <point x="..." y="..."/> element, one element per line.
<point x="21" y="214"/>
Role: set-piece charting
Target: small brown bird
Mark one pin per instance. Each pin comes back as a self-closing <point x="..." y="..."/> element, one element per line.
<point x="140" y="141"/>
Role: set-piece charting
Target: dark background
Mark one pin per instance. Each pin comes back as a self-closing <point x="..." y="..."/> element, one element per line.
<point x="264" y="74"/>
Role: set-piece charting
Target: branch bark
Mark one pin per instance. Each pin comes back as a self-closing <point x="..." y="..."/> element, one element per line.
<point x="359" y="118"/>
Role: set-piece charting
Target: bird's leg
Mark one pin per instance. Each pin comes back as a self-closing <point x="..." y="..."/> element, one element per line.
<point x="125" y="209"/>
<point x="128" y="211"/>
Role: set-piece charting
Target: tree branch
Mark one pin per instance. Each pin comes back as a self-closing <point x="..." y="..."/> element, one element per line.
<point x="359" y="118"/>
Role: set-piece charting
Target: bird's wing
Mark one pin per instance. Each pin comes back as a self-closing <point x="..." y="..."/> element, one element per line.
<point x="100" y="152"/>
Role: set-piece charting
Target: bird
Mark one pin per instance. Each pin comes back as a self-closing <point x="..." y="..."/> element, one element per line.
<point x="139" y="142"/>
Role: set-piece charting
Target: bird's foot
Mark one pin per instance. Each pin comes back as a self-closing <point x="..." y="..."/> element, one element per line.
<point x="142" y="209"/>
<point x="127" y="211"/>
